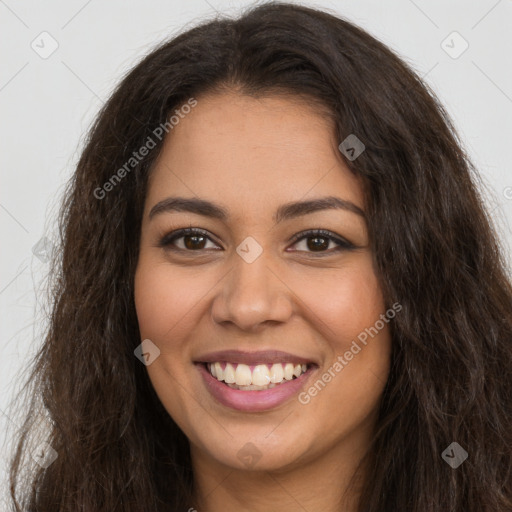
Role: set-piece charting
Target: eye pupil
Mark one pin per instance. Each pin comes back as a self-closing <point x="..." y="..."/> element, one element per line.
<point x="189" y="245"/>
<point x="316" y="245"/>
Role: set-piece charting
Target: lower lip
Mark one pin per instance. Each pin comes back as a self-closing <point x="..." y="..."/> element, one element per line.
<point x="252" y="401"/>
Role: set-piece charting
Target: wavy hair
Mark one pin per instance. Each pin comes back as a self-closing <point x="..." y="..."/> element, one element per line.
<point x="435" y="251"/>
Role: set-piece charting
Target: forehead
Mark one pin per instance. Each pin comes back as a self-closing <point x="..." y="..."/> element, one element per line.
<point x="253" y="153"/>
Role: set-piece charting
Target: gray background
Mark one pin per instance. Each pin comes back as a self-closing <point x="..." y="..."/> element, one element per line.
<point x="47" y="104"/>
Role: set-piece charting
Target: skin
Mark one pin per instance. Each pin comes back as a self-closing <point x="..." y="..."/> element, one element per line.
<point x="251" y="156"/>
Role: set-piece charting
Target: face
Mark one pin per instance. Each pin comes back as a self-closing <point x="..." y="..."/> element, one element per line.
<point x="251" y="282"/>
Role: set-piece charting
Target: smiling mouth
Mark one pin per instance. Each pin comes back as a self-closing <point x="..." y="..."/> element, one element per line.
<point x="258" y="377"/>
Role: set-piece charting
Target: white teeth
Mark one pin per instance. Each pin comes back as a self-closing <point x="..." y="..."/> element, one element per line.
<point x="229" y="374"/>
<point x="288" y="371"/>
<point x="243" y="375"/>
<point x="240" y="376"/>
<point x="276" y="373"/>
<point x="261" y="375"/>
<point x="219" y="373"/>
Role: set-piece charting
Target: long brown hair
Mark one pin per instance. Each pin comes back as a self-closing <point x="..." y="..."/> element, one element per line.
<point x="434" y="247"/>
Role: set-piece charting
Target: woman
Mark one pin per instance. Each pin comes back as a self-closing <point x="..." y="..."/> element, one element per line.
<point x="279" y="289"/>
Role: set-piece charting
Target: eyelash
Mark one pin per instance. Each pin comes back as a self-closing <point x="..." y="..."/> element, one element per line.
<point x="167" y="240"/>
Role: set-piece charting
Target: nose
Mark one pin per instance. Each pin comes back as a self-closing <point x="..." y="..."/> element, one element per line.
<point x="251" y="296"/>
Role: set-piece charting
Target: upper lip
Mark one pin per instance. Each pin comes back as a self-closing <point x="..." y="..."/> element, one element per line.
<point x="253" y="358"/>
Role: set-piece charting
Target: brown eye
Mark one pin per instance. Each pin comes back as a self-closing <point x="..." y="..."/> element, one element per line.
<point x="317" y="243"/>
<point x="193" y="240"/>
<point x="320" y="241"/>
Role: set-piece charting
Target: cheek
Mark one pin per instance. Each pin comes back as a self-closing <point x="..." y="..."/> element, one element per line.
<point x="345" y="302"/>
<point x="347" y="309"/>
<point x="166" y="301"/>
<point x="155" y="302"/>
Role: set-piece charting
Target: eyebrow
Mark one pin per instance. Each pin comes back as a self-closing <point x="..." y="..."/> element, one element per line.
<point x="284" y="212"/>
